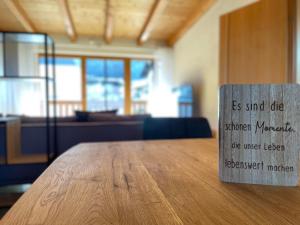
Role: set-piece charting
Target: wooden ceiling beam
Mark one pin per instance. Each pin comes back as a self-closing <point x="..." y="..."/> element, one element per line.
<point x="68" y="21"/>
<point x="108" y="35"/>
<point x="200" y="11"/>
<point x="16" y="9"/>
<point x="152" y="19"/>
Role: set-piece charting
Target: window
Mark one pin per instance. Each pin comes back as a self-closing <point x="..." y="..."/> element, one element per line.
<point x="99" y="84"/>
<point x="68" y="84"/>
<point x="185" y="101"/>
<point x="105" y="85"/>
<point x="141" y="76"/>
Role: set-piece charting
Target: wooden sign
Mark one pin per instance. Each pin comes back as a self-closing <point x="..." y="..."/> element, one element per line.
<point x="259" y="134"/>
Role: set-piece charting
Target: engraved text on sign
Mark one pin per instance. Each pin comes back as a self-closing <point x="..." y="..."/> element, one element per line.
<point x="259" y="134"/>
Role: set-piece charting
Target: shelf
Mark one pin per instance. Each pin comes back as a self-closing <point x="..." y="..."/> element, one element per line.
<point x="2" y="160"/>
<point x="13" y="148"/>
<point x="16" y="76"/>
<point x="25" y="159"/>
<point x="25" y="78"/>
<point x="4" y="120"/>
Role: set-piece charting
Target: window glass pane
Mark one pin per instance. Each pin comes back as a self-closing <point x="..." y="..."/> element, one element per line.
<point x="186" y="94"/>
<point x="115" y="85"/>
<point x="68" y="77"/>
<point x="95" y="89"/>
<point x="141" y="76"/>
<point x="105" y="85"/>
<point x="185" y="101"/>
<point x="68" y="84"/>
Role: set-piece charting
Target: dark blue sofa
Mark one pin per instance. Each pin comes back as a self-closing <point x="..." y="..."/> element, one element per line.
<point x="70" y="133"/>
<point x="176" y="128"/>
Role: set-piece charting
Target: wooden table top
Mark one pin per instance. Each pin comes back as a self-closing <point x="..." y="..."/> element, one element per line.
<point x="148" y="182"/>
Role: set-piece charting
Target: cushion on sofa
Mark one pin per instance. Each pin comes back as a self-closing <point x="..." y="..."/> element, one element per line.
<point x="176" y="128"/>
<point x="83" y="116"/>
<point x="110" y="118"/>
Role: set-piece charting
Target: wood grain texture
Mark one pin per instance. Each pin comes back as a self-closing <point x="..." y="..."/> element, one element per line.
<point x="20" y="14"/>
<point x="13" y="139"/>
<point x="257" y="43"/>
<point x="152" y="20"/>
<point x="108" y="35"/>
<point x="68" y="19"/>
<point x="127" y="77"/>
<point x="8" y="21"/>
<point x="192" y="19"/>
<point x="153" y="182"/>
<point x="13" y="146"/>
<point x="89" y="17"/>
<point x="46" y="15"/>
<point x="224" y="50"/>
<point x="259" y="134"/>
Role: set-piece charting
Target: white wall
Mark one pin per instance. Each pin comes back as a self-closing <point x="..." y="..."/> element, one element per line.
<point x="196" y="57"/>
<point x="163" y="102"/>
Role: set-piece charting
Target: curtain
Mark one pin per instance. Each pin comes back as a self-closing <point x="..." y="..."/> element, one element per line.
<point x="22" y="97"/>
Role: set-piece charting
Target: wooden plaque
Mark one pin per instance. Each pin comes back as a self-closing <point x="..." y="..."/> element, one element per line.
<point x="259" y="134"/>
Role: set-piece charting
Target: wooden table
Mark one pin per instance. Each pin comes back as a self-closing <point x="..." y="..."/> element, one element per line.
<point x="154" y="182"/>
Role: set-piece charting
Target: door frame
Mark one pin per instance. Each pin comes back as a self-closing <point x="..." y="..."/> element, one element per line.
<point x="291" y="50"/>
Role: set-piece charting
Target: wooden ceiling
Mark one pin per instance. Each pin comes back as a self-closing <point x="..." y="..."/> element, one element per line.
<point x="140" y="20"/>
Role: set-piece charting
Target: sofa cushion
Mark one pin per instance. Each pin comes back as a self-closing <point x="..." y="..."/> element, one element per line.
<point x="175" y="128"/>
<point x="110" y="118"/>
<point x="82" y="116"/>
<point x="68" y="135"/>
<point x="198" y="128"/>
<point x="157" y="128"/>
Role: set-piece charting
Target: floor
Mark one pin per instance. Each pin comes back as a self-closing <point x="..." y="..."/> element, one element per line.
<point x="9" y="195"/>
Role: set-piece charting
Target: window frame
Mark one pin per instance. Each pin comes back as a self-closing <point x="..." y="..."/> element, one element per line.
<point x="127" y="77"/>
